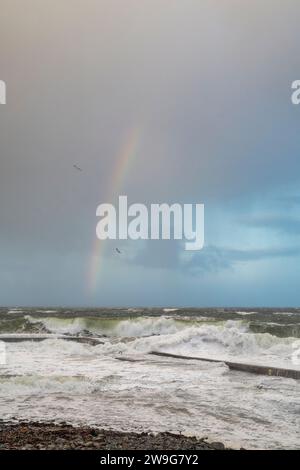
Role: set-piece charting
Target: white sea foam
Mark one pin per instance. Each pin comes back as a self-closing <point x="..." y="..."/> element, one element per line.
<point x="80" y="383"/>
<point x="286" y="313"/>
<point x="41" y="385"/>
<point x="245" y="313"/>
<point x="47" y="311"/>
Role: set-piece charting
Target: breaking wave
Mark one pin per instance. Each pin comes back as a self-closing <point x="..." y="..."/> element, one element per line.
<point x="231" y="340"/>
<point x="41" y="385"/>
<point x="253" y="341"/>
<point x="107" y="327"/>
<point x="241" y="312"/>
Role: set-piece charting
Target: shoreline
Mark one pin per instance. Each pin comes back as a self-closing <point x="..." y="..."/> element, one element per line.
<point x="50" y="436"/>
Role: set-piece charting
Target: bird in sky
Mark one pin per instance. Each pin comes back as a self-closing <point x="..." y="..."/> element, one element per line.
<point x="77" y="167"/>
<point x="118" y="251"/>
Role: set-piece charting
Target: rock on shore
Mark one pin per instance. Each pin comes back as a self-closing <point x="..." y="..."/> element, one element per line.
<point x="30" y="436"/>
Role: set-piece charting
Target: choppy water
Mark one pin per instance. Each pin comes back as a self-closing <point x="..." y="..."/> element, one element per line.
<point x="82" y="383"/>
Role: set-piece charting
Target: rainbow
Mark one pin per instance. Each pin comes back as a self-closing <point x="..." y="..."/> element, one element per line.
<point x="124" y="161"/>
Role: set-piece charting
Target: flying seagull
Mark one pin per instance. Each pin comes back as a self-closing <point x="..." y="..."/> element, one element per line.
<point x="118" y="251"/>
<point x="77" y="168"/>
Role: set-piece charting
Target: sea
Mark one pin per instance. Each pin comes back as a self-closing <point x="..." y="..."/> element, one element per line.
<point x="95" y="367"/>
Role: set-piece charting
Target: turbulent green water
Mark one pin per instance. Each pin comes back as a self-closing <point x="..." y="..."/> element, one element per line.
<point x="282" y="323"/>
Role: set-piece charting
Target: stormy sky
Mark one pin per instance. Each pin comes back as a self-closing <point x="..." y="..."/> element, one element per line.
<point x="206" y="85"/>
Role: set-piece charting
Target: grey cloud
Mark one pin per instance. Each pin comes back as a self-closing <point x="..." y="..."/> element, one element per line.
<point x="284" y="224"/>
<point x="168" y="255"/>
<point x="214" y="258"/>
<point x="159" y="254"/>
<point x="290" y="201"/>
